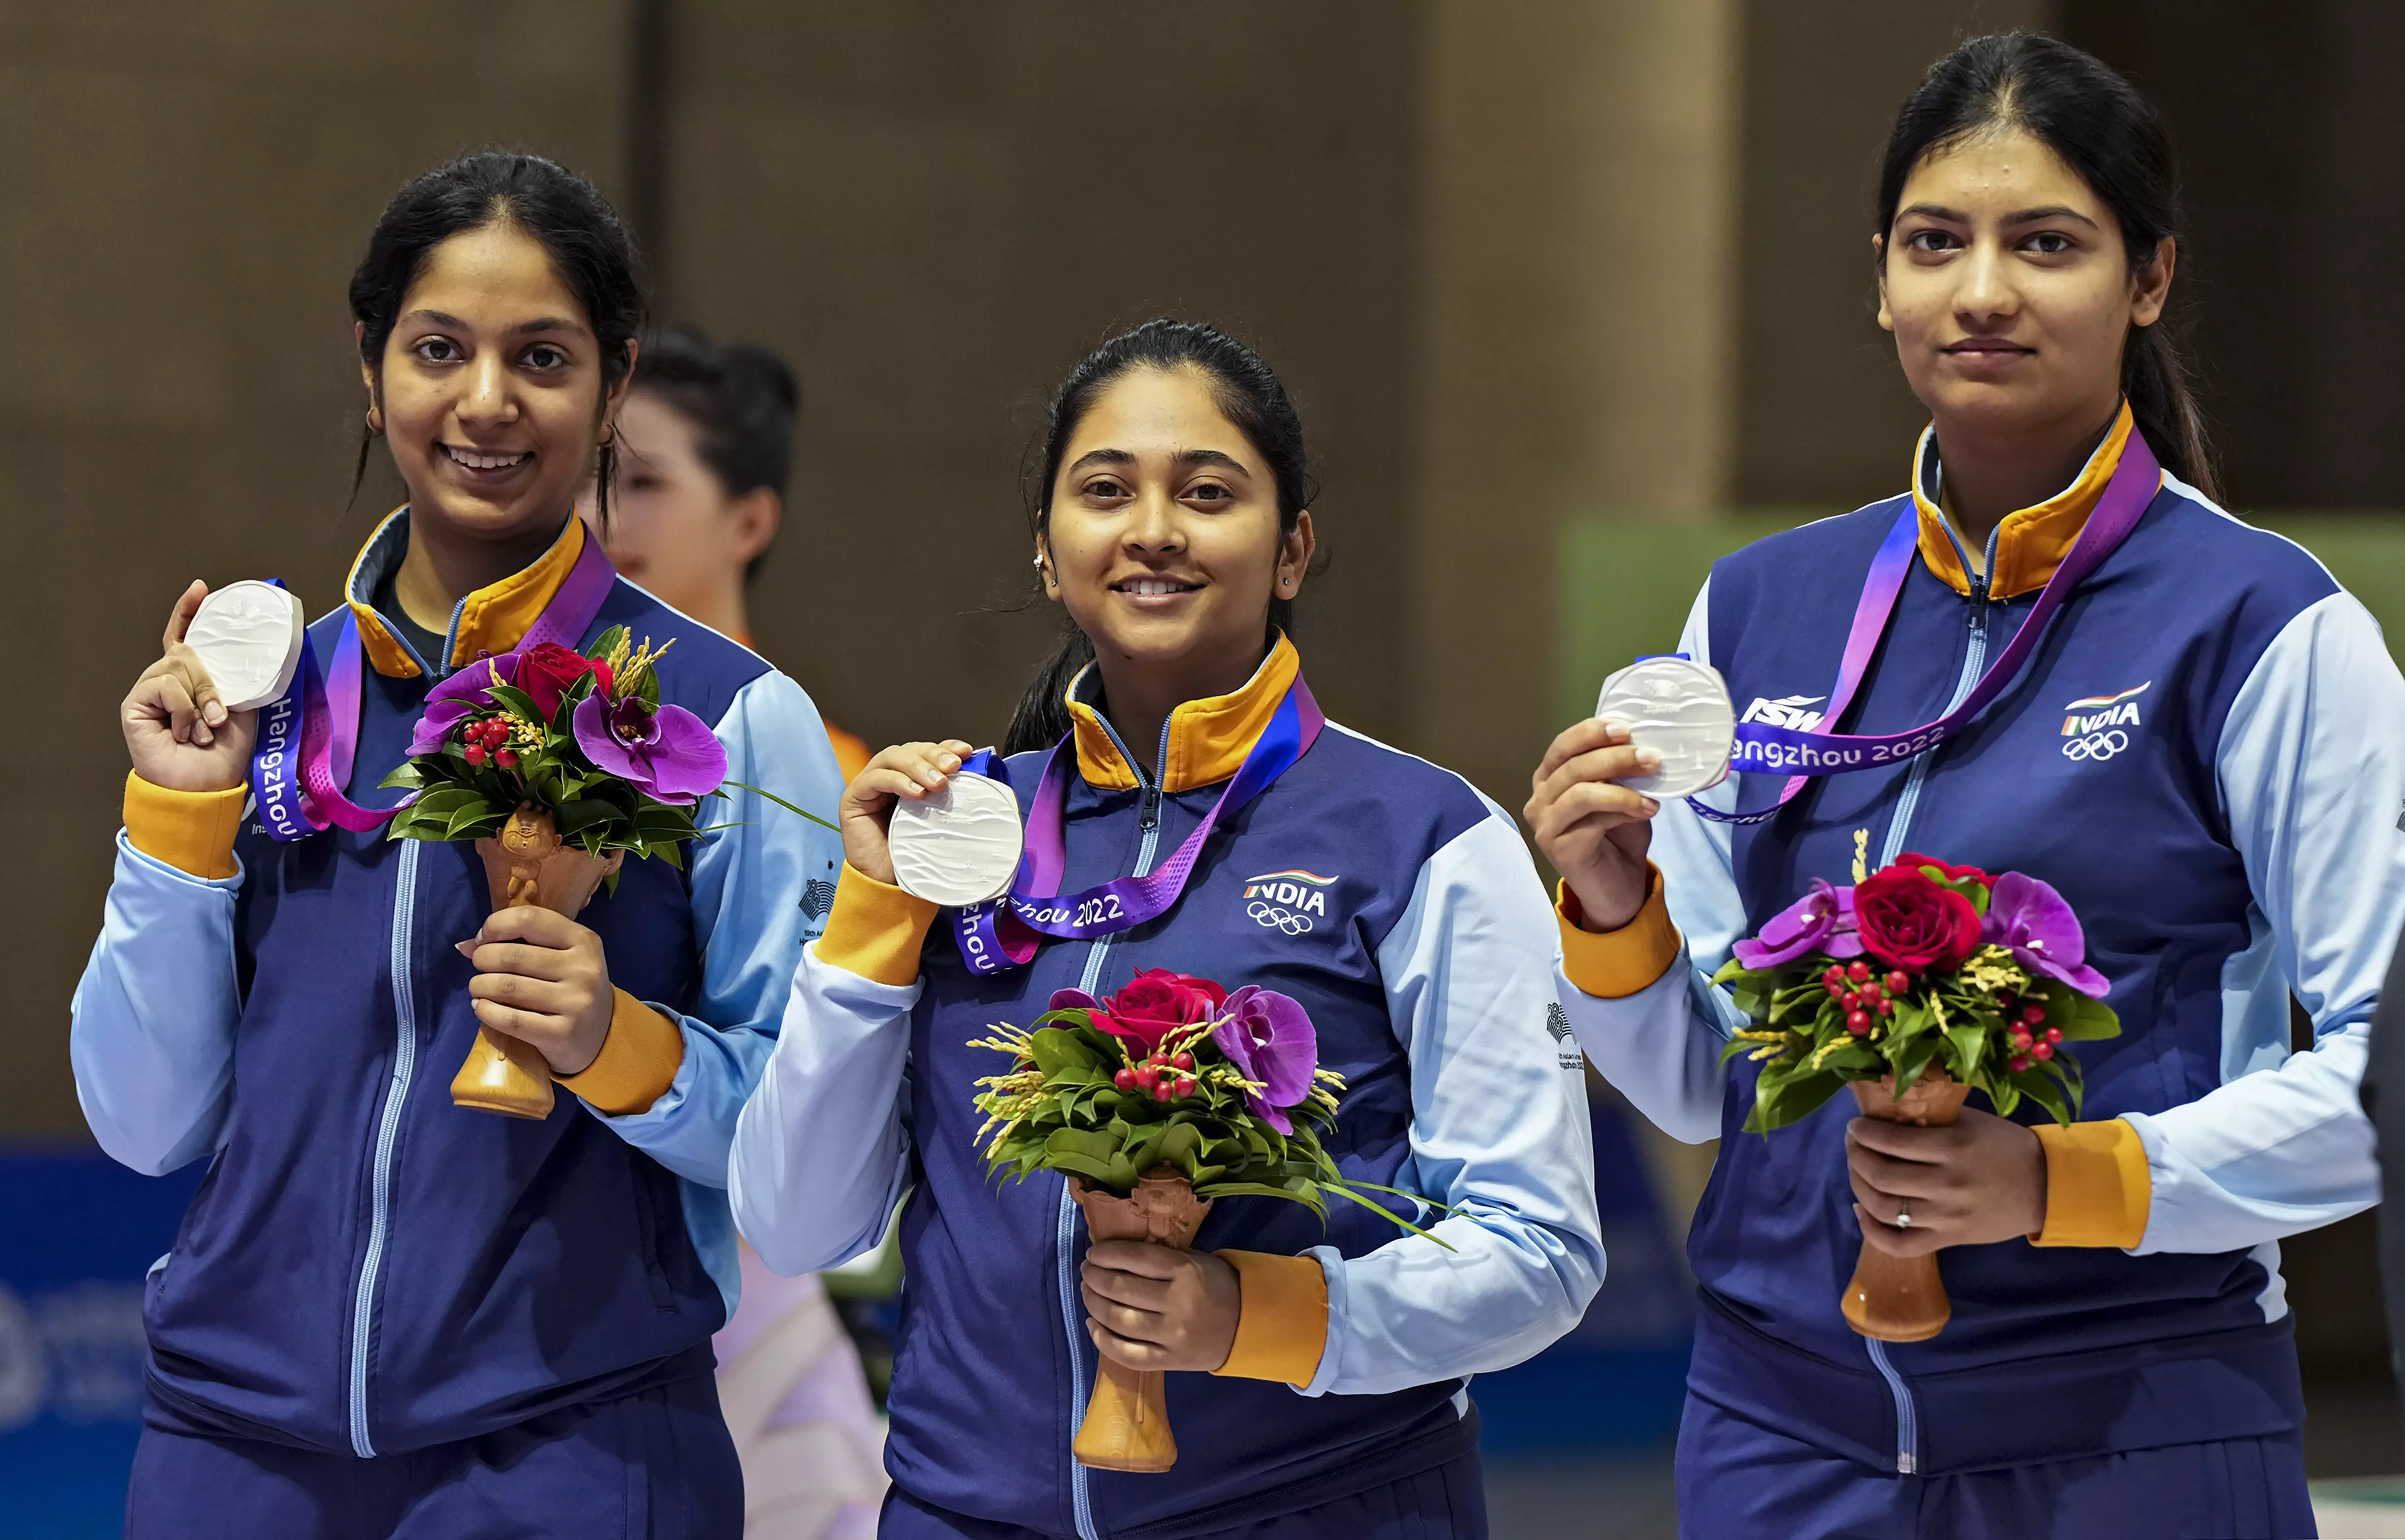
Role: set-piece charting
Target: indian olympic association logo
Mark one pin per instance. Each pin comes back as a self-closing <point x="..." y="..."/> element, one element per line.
<point x="1286" y="901"/>
<point x="2098" y="727"/>
<point x="1793" y="711"/>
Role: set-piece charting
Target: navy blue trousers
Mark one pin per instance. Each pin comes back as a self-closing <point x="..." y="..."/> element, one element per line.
<point x="1740" y="1480"/>
<point x="655" y="1465"/>
<point x="1445" y="1502"/>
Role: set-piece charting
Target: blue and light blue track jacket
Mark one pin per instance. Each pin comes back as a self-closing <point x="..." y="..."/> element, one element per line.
<point x="1401" y="909"/>
<point x="368" y="1268"/>
<point x="2207" y="756"/>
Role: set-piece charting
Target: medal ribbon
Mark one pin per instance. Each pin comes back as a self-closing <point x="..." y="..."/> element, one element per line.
<point x="308" y="740"/>
<point x="1763" y="746"/>
<point x="1006" y="932"/>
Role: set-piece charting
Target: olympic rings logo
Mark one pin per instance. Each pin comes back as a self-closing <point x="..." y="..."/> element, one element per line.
<point x="1273" y="917"/>
<point x="2096" y="745"/>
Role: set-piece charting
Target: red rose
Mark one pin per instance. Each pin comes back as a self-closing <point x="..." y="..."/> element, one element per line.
<point x="1908" y="921"/>
<point x="1910" y="862"/>
<point x="548" y="671"/>
<point x="1157" y="1003"/>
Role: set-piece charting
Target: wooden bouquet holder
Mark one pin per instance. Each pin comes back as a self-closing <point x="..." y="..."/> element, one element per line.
<point x="1127" y="1421"/>
<point x="525" y="864"/>
<point x="1902" y="1298"/>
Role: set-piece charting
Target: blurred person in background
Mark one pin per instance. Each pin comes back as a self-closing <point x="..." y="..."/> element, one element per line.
<point x="1321" y="1363"/>
<point x="2121" y="1359"/>
<point x="706" y="443"/>
<point x="386" y="1316"/>
<point x="701" y="494"/>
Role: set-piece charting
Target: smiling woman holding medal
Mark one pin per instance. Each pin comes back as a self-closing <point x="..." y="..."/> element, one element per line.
<point x="387" y="1314"/>
<point x="2066" y="661"/>
<point x="1187" y="810"/>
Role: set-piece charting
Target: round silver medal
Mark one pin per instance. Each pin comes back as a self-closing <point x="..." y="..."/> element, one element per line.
<point x="959" y="845"/>
<point x="1682" y="711"/>
<point x="249" y="636"/>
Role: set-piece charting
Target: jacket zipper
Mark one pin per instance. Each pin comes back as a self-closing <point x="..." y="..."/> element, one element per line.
<point x="405" y="1063"/>
<point x="1975" y="659"/>
<point x="1065" y="1239"/>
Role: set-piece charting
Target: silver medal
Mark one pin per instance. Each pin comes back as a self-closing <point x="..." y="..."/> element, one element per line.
<point x="249" y="636"/>
<point x="959" y="845"/>
<point x="1682" y="711"/>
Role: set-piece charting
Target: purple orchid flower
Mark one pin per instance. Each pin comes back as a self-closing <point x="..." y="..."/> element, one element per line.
<point x="1820" y="920"/>
<point x="1269" y="1038"/>
<point x="2029" y="919"/>
<point x="457" y="698"/>
<point x="1073" y="999"/>
<point x="665" y="752"/>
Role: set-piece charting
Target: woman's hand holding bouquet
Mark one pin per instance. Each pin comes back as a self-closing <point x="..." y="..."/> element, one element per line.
<point x="1156" y="1103"/>
<point x="1921" y="982"/>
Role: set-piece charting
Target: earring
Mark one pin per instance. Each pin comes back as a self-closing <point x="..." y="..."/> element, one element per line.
<point x="376" y="424"/>
<point x="1037" y="564"/>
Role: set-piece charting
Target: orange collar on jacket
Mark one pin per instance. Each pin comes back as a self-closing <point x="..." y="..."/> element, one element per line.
<point x="1208" y="738"/>
<point x="491" y="620"/>
<point x="2030" y="544"/>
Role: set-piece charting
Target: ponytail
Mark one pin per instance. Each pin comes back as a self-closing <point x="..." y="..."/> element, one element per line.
<point x="2155" y="378"/>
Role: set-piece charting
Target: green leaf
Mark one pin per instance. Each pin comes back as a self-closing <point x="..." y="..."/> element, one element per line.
<point x="1056" y="1050"/>
<point x="783" y="802"/>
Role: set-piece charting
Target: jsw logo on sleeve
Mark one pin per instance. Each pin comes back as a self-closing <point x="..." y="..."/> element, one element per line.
<point x="2095" y="725"/>
<point x="1793" y="711"/>
<point x="1286" y="901"/>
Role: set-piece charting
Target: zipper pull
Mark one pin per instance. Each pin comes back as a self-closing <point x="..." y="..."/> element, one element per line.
<point x="1148" y="811"/>
<point x="1979" y="603"/>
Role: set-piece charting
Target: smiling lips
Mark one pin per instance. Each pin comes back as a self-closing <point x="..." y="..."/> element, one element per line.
<point x="474" y="459"/>
<point x="1150" y="588"/>
<point x="1986" y="347"/>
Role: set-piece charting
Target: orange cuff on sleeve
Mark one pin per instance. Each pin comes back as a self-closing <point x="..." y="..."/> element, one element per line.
<point x="638" y="1061"/>
<point x="190" y="831"/>
<point x="2098" y="1191"/>
<point x="1616" y="965"/>
<point x="876" y="929"/>
<point x="1282" y="1325"/>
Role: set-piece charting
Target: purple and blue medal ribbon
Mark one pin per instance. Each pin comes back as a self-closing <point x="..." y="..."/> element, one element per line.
<point x="1762" y="747"/>
<point x="1006" y="932"/>
<point x="308" y="738"/>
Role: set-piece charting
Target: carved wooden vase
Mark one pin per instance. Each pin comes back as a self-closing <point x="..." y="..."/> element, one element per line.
<point x="1902" y="1298"/>
<point x="1127" y="1421"/>
<point x="525" y="864"/>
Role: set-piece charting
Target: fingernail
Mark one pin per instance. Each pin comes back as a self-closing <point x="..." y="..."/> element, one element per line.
<point x="467" y="949"/>
<point x="1651" y="806"/>
<point x="214" y="712"/>
<point x="1648" y="759"/>
<point x="949" y="761"/>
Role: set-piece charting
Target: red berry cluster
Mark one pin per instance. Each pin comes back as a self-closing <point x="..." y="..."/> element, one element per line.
<point x="1165" y="1075"/>
<point x="2034" y="1041"/>
<point x="487" y="740"/>
<point x="1864" y="998"/>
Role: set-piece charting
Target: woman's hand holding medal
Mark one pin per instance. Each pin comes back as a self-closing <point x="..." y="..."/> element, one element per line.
<point x="177" y="729"/>
<point x="906" y="771"/>
<point x="1594" y="831"/>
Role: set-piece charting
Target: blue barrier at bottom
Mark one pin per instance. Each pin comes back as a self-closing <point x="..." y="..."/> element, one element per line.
<point x="77" y="1232"/>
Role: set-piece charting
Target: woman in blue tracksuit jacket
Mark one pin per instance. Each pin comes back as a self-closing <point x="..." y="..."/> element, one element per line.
<point x="1386" y="894"/>
<point x="2206" y="755"/>
<point x="385" y="1315"/>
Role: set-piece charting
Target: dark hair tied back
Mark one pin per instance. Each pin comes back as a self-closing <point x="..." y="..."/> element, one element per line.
<point x="2083" y="111"/>
<point x="562" y="212"/>
<point x="741" y="401"/>
<point x="1249" y="394"/>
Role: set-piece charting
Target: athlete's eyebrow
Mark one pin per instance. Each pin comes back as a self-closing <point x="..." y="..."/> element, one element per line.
<point x="1212" y="457"/>
<point x="2050" y="211"/>
<point x="1099" y="456"/>
<point x="452" y="323"/>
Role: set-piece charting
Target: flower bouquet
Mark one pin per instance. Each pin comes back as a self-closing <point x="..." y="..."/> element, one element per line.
<point x="1921" y="982"/>
<point x="1155" y="1103"/>
<point x="556" y="764"/>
